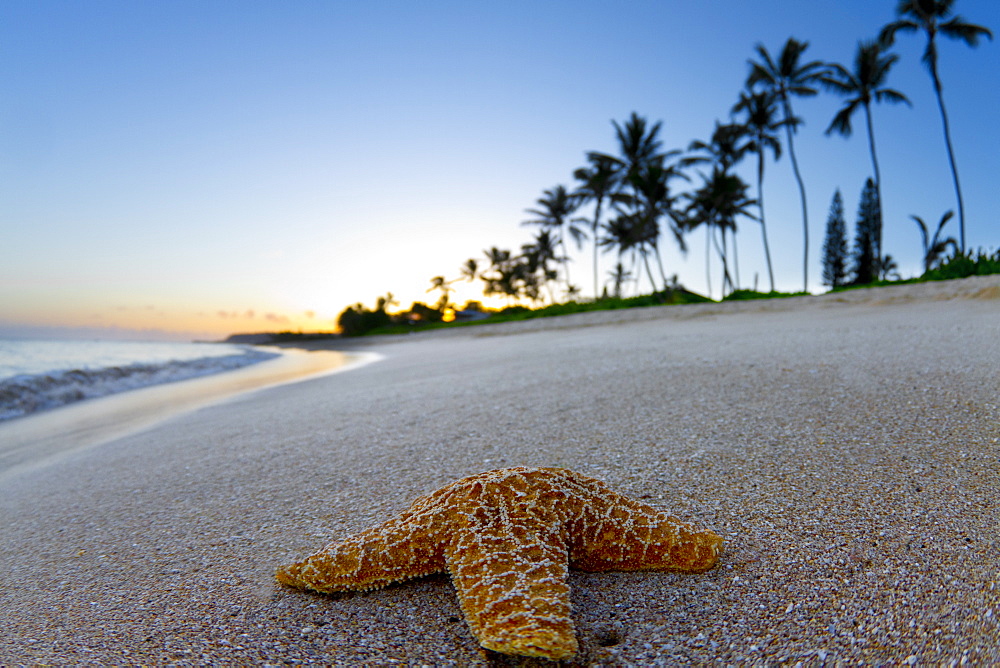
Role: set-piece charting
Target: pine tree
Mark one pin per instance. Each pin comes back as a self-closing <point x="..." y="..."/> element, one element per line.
<point x="835" y="244"/>
<point x="867" y="253"/>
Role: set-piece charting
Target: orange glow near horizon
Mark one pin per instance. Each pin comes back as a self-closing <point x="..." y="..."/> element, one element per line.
<point x="148" y="320"/>
<point x="120" y="312"/>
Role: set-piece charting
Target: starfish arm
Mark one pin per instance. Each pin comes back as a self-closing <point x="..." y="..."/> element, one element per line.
<point x="615" y="532"/>
<point x="510" y="570"/>
<point x="402" y="548"/>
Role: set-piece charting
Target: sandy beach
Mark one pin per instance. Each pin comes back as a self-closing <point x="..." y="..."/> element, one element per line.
<point x="846" y="446"/>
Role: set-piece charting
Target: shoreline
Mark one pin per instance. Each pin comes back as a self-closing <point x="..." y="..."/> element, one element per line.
<point x="845" y="451"/>
<point x="33" y="439"/>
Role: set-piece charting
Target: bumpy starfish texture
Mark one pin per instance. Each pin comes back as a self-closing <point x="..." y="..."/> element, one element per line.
<point x="508" y="538"/>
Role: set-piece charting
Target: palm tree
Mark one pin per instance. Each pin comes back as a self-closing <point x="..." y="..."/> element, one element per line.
<point x="786" y="78"/>
<point x="638" y="146"/>
<point x="470" y="270"/>
<point x="553" y="212"/>
<point x="727" y="147"/>
<point x="642" y="197"/>
<point x="597" y="184"/>
<point x="498" y="278"/>
<point x="539" y="254"/>
<point x="652" y="203"/>
<point x="717" y="204"/>
<point x="438" y="283"/>
<point x="862" y="86"/>
<point x="621" y="234"/>
<point x="932" y="16"/>
<point x="761" y="123"/>
<point x="619" y="276"/>
<point x="382" y="304"/>
<point x="934" y="246"/>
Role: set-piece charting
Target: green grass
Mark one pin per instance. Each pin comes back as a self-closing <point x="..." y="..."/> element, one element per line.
<point x="739" y="295"/>
<point x="973" y="263"/>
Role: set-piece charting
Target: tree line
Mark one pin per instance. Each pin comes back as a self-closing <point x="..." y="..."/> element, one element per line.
<point x="633" y="205"/>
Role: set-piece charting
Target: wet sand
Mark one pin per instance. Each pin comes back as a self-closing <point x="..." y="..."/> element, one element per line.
<point x="846" y="446"/>
<point x="35" y="440"/>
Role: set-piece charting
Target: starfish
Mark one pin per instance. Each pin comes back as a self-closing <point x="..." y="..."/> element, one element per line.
<point x="508" y="538"/>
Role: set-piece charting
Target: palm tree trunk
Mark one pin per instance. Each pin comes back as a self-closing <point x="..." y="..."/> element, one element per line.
<point x="708" y="257"/>
<point x="634" y="269"/>
<point x="596" y="224"/>
<point x="736" y="261"/>
<point x="725" y="268"/>
<point x="951" y="155"/>
<point x="802" y="195"/>
<point x="596" y="294"/>
<point x="878" y="191"/>
<point x="565" y="261"/>
<point x="659" y="264"/>
<point x="645" y="260"/>
<point x="760" y="203"/>
<point x="727" y="280"/>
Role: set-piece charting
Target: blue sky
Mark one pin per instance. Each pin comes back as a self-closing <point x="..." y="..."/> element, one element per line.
<point x="194" y="168"/>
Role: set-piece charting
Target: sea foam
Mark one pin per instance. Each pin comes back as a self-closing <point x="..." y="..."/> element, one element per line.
<point x="24" y="394"/>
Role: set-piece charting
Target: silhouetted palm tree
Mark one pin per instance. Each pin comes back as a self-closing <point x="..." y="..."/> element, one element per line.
<point x="597" y="184"/>
<point x="642" y="198"/>
<point x="638" y="144"/>
<point x="553" y="213"/>
<point x="717" y="204"/>
<point x="786" y="78"/>
<point x="761" y="123"/>
<point x="619" y="276"/>
<point x="382" y="304"/>
<point x="539" y="254"/>
<point x="621" y="235"/>
<point x="862" y="86"/>
<point x="728" y="146"/>
<point x="438" y="283"/>
<point x="498" y="278"/>
<point x="470" y="270"/>
<point x="933" y="17"/>
<point x="934" y="247"/>
<point x="651" y="204"/>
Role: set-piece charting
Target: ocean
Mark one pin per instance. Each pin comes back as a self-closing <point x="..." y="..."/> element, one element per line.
<point x="39" y="375"/>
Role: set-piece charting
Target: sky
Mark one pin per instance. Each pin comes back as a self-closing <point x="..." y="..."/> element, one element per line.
<point x="190" y="169"/>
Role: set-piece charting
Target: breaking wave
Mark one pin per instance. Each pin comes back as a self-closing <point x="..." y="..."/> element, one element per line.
<point x="26" y="393"/>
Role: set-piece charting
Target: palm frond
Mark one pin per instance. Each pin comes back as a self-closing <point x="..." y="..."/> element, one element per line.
<point x="887" y="36"/>
<point x="891" y="95"/>
<point x="957" y="28"/>
<point x="839" y="80"/>
<point x="944" y="220"/>
<point x="924" y="235"/>
<point x="841" y="123"/>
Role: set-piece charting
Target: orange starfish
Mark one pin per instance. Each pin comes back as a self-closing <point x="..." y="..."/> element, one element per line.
<point x="508" y="538"/>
